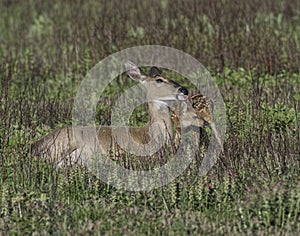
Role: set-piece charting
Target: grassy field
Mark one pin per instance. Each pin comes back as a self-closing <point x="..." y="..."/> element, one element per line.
<point x="252" y="50"/>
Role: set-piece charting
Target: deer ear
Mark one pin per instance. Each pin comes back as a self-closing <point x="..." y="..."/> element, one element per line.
<point x="154" y="71"/>
<point x="133" y="71"/>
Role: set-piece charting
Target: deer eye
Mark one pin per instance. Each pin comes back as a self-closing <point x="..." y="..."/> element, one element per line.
<point x="159" y="81"/>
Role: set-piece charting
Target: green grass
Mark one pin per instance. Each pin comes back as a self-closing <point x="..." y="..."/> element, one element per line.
<point x="252" y="51"/>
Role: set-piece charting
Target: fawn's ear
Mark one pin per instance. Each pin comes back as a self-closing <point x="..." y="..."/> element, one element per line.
<point x="133" y="71"/>
<point x="154" y="71"/>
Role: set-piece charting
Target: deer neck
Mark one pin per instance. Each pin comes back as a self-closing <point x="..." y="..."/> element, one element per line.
<point x="160" y="116"/>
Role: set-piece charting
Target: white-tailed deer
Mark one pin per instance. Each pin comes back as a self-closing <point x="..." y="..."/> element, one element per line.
<point x="68" y="143"/>
<point x="197" y="112"/>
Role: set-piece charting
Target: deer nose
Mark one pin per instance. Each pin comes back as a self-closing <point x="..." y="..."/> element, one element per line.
<point x="183" y="90"/>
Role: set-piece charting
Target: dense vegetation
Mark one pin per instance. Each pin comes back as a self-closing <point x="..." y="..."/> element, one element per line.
<point x="251" y="48"/>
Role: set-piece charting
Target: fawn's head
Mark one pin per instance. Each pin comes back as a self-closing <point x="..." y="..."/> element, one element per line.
<point x="185" y="116"/>
<point x="159" y="88"/>
<point x="197" y="112"/>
